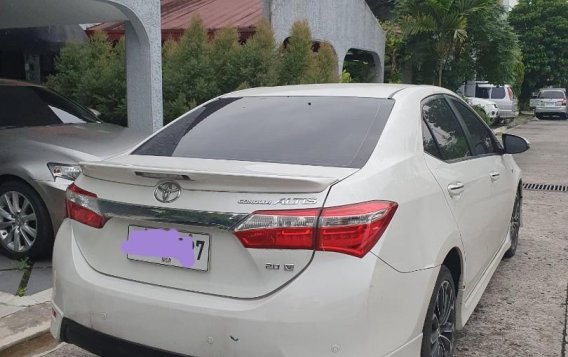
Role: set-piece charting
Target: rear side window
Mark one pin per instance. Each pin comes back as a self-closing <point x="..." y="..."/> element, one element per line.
<point x="481" y="138"/>
<point x="549" y="94"/>
<point x="34" y="106"/>
<point x="445" y="129"/>
<point x="498" y="93"/>
<point x="319" y="131"/>
<point x="430" y="145"/>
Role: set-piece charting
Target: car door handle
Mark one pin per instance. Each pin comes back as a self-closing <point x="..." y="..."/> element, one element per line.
<point x="455" y="189"/>
<point x="495" y="176"/>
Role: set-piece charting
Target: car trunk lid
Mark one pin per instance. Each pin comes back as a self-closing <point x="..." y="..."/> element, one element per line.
<point x="210" y="204"/>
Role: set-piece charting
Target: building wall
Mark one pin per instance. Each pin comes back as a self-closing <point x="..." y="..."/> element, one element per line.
<point x="344" y="24"/>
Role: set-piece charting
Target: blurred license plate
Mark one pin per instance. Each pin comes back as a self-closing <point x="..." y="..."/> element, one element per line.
<point x="168" y="247"/>
<point x="548" y="104"/>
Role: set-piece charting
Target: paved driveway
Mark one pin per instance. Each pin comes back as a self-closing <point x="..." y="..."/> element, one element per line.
<point x="523" y="311"/>
<point x="24" y="278"/>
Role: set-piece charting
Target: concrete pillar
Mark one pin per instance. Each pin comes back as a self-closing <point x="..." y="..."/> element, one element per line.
<point x="143" y="63"/>
<point x="341" y="53"/>
<point x="379" y="68"/>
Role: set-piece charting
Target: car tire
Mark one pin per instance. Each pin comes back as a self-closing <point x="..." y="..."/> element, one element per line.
<point x="538" y="116"/>
<point x="515" y="225"/>
<point x="439" y="326"/>
<point x="23" y="213"/>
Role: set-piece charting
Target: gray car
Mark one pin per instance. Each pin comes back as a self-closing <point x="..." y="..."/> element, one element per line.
<point x="42" y="138"/>
<point x="551" y="102"/>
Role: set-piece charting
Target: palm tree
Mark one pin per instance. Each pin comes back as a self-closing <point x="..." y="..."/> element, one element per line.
<point x="443" y="23"/>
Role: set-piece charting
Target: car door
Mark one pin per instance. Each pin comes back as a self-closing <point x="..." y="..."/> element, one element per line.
<point x="464" y="180"/>
<point x="487" y="150"/>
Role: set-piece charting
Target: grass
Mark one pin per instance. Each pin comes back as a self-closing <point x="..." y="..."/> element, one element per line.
<point x="25" y="266"/>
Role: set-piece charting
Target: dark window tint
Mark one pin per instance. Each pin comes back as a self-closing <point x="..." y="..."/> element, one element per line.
<point x="446" y="129"/>
<point x="34" y="106"/>
<point x="498" y="93"/>
<point x="321" y="131"/>
<point x="552" y="94"/>
<point x="482" y="92"/>
<point x="430" y="145"/>
<point x="481" y="138"/>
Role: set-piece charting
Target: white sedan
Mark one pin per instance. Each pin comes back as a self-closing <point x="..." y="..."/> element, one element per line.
<point x="325" y="220"/>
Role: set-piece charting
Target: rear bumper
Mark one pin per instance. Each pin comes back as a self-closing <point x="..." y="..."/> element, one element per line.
<point x="326" y="311"/>
<point x="551" y="110"/>
<point x="507" y="113"/>
<point x="105" y="345"/>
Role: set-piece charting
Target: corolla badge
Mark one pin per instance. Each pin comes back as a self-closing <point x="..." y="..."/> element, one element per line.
<point x="167" y="192"/>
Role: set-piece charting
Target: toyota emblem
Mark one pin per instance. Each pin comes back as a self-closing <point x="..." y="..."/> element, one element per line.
<point x="167" y="192"/>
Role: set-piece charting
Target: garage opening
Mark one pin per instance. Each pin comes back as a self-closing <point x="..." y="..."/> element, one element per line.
<point x="361" y="66"/>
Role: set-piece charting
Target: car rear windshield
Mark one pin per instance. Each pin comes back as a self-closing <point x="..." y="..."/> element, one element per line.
<point x="552" y="94"/>
<point x="24" y="106"/>
<point x="319" y="131"/>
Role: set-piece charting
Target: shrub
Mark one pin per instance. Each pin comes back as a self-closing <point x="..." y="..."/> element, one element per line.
<point x="259" y="59"/>
<point x="94" y="75"/>
<point x="195" y="69"/>
<point x="481" y="112"/>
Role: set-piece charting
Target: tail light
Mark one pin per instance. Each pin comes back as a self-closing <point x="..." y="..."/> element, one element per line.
<point x="563" y="101"/>
<point x="82" y="206"/>
<point x="352" y="229"/>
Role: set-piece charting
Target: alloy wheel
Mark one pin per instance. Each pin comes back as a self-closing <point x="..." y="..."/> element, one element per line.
<point x="442" y="336"/>
<point x="18" y="222"/>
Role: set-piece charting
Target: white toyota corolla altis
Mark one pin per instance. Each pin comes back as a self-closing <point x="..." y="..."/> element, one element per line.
<point x="325" y="220"/>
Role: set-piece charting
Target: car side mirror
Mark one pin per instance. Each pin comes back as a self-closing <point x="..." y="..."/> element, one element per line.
<point x="514" y="144"/>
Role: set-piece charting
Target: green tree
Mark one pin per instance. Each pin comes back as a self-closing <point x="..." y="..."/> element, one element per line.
<point x="297" y="58"/>
<point x="188" y="74"/>
<point x="383" y="9"/>
<point x="440" y="27"/>
<point x="542" y="27"/>
<point x="259" y="58"/>
<point x="490" y="53"/>
<point x="393" y="46"/>
<point x="324" y="67"/>
<point x="195" y="69"/>
<point x="94" y="74"/>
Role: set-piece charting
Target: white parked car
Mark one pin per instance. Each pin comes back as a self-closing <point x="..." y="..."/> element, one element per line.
<point x="325" y="220"/>
<point x="503" y="96"/>
<point x="489" y="107"/>
<point x="551" y="102"/>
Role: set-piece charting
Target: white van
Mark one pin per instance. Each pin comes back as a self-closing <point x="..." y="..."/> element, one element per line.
<point x="503" y="96"/>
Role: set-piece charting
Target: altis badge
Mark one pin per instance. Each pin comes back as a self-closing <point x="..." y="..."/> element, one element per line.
<point x="283" y="202"/>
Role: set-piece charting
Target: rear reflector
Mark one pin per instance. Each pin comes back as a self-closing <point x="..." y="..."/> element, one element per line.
<point x="82" y="206"/>
<point x="352" y="229"/>
<point x="291" y="229"/>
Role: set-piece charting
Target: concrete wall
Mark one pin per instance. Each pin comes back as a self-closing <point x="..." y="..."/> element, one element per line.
<point x="344" y="24"/>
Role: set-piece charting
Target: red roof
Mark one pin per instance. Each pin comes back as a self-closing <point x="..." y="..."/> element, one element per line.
<point x="215" y="14"/>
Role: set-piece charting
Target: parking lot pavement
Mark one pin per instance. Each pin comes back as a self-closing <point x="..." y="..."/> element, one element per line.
<point x="14" y="280"/>
<point x="523" y="311"/>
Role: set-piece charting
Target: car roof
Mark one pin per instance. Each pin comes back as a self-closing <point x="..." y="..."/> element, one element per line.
<point x="553" y="89"/>
<point x="15" y="83"/>
<point x="369" y="90"/>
